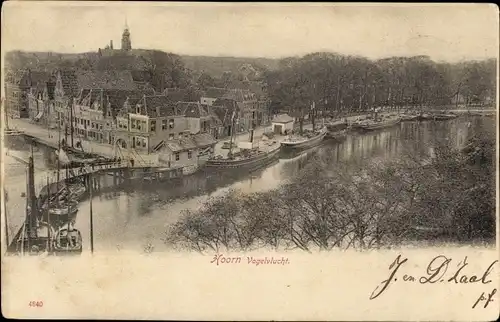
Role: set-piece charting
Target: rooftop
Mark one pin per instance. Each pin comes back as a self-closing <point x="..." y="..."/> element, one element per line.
<point x="193" y="109"/>
<point x="283" y="118"/>
<point x="190" y="142"/>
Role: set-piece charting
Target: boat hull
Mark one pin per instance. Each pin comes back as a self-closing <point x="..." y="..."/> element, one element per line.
<point x="409" y="118"/>
<point x="303" y="145"/>
<point x="377" y="126"/>
<point x="444" y="117"/>
<point x="436" y="117"/>
<point x="246" y="164"/>
<point x="337" y="136"/>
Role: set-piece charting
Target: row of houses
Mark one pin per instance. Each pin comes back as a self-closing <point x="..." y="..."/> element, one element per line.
<point x="110" y="107"/>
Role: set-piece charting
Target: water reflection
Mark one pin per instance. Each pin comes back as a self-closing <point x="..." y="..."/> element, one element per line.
<point x="140" y="214"/>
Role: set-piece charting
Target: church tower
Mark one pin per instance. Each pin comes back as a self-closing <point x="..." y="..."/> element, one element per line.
<point x="126" y="43"/>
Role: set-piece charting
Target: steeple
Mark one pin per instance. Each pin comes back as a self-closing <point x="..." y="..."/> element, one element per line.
<point x="126" y="43"/>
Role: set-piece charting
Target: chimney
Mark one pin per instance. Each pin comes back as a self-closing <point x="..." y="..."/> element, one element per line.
<point x="111" y="44"/>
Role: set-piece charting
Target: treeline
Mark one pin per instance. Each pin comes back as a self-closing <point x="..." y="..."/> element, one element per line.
<point x="160" y="69"/>
<point x="448" y="198"/>
<point x="337" y="82"/>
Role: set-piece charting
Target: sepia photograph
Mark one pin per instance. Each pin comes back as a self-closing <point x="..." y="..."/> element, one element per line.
<point x="214" y="149"/>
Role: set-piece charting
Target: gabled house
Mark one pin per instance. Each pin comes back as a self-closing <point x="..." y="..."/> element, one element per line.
<point x="41" y="99"/>
<point x="228" y="114"/>
<point x="145" y="123"/>
<point x="95" y="112"/>
<point x="198" y="117"/>
<point x="18" y="85"/>
<point x="190" y="151"/>
<point x="211" y="95"/>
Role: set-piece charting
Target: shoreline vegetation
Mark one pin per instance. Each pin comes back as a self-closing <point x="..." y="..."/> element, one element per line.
<point x="445" y="197"/>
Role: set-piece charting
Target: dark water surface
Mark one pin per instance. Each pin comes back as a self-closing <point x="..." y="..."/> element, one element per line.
<point x="138" y="218"/>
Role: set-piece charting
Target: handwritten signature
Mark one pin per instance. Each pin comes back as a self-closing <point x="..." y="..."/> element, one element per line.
<point x="437" y="272"/>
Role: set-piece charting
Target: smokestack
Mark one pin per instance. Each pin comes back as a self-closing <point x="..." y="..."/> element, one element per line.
<point x="111" y="44"/>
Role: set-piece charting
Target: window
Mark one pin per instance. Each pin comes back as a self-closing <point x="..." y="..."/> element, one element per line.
<point x="171" y="136"/>
<point x="171" y="123"/>
<point x="153" y="126"/>
<point x="190" y="154"/>
<point x="177" y="156"/>
<point x="144" y="143"/>
<point x="164" y="124"/>
<point x="132" y="124"/>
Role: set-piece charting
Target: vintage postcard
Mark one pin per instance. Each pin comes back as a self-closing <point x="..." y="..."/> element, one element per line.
<point x="249" y="161"/>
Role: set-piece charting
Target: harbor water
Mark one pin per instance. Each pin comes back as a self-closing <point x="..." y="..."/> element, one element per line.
<point x="137" y="218"/>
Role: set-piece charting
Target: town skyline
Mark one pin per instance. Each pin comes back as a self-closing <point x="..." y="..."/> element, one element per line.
<point x="290" y="31"/>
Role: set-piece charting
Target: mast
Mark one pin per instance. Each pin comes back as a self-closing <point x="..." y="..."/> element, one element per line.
<point x="253" y="127"/>
<point x="66" y="126"/>
<point x="5" y="217"/>
<point x="91" y="215"/>
<point x="313" y="109"/>
<point x="58" y="157"/>
<point x="67" y="233"/>
<point x="232" y="132"/>
<point x="25" y="234"/>
<point x="33" y="214"/>
<point x="5" y="115"/>
<point x="48" y="216"/>
<point x="71" y="122"/>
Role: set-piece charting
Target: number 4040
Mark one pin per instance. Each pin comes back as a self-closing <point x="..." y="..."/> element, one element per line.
<point x="35" y="304"/>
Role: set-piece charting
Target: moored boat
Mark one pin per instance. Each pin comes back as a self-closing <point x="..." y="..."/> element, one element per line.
<point x="408" y="117"/>
<point x="304" y="141"/>
<point x="337" y="131"/>
<point x="33" y="244"/>
<point x="76" y="190"/>
<point x="372" y="125"/>
<point x="443" y="117"/>
<point x="248" y="159"/>
<point x="59" y="214"/>
<point x="68" y="240"/>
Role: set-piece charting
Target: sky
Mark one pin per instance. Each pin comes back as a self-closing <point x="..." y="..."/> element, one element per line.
<point x="451" y="32"/>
